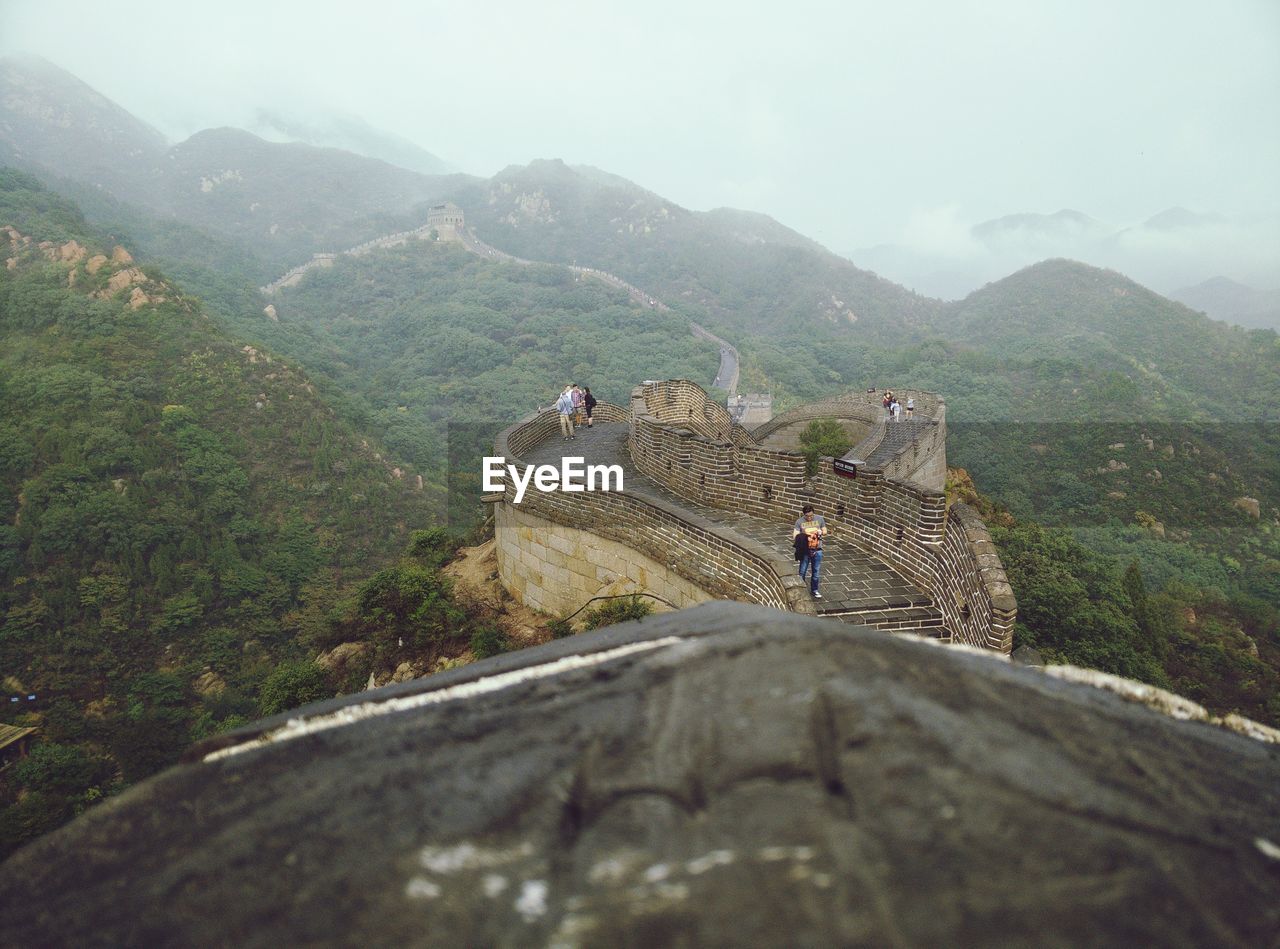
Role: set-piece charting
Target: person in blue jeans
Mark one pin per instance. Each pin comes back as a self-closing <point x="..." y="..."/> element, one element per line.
<point x="814" y="528"/>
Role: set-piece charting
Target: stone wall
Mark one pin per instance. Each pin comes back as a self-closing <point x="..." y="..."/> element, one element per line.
<point x="862" y="416"/>
<point x="545" y="424"/>
<point x="557" y="569"/>
<point x="687" y="443"/>
<point x="679" y="403"/>
<point x="445" y="215"/>
<point x="925" y="460"/>
<point x="859" y="408"/>
<point x="970" y="574"/>
<point x="686" y="545"/>
<point x="947" y="554"/>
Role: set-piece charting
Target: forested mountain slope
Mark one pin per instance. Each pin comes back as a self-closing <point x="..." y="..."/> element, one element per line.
<point x="1188" y="365"/>
<point x="51" y="120"/>
<point x="180" y="514"/>
<point x="745" y="271"/>
<point x="447" y="348"/>
<point x="287" y="201"/>
<point x="283" y="202"/>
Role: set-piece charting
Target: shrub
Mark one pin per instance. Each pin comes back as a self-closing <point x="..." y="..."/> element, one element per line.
<point x="59" y="769"/>
<point x="489" y="641"/>
<point x="823" y="438"/>
<point x="292" y="684"/>
<point x="409" y="602"/>
<point x="432" y="547"/>
<point x="619" y="610"/>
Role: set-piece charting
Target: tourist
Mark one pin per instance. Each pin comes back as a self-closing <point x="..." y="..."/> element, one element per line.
<point x="911" y="406"/>
<point x="887" y="402"/>
<point x="895" y="408"/>
<point x="814" y="528"/>
<point x="578" y="405"/>
<point x="564" y="405"/>
<point x="589" y="402"/>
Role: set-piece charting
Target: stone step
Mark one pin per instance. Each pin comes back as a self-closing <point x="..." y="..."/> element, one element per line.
<point x="925" y="620"/>
<point x="898" y="438"/>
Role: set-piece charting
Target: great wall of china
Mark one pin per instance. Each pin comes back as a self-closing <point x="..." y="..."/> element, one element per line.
<point x="708" y="506"/>
<point x="448" y="223"/>
<point x="708" y="503"/>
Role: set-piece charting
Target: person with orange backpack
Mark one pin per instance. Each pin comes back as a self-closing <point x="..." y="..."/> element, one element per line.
<point x="812" y="527"/>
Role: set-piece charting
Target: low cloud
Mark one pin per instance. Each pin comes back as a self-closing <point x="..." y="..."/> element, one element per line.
<point x="941" y="232"/>
<point x="942" y="255"/>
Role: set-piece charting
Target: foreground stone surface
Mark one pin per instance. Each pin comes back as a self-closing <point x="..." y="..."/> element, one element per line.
<point x="742" y="777"/>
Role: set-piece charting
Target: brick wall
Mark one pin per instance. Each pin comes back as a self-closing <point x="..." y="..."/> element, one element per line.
<point x="859" y="407"/>
<point x="906" y="525"/>
<point x="682" y="440"/>
<point x="689" y="546"/>
<point x="925" y="461"/>
<point x="558" y="569"/>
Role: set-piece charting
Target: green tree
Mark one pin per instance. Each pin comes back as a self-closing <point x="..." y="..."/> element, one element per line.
<point x="823" y="438"/>
<point x="407" y="602"/>
<point x="292" y="684"/>
<point x="59" y="769"/>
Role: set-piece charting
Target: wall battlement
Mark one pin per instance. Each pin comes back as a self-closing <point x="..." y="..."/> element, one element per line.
<point x="688" y="446"/>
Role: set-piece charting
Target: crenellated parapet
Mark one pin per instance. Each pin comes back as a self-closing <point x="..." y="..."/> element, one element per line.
<point x="557" y="550"/>
<point x="710" y="504"/>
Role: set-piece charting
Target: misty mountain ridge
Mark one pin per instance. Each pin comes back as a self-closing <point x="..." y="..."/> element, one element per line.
<point x="744" y="269"/>
<point x="1179" y="218"/>
<point x="349" y="133"/>
<point x="1232" y="302"/>
<point x="750" y="227"/>
<point x="1064" y="309"/>
<point x="1162" y="251"/>
<point x="286" y="201"/>
<point x="51" y="119"/>
<point x="289" y="198"/>
<point x="1062" y="224"/>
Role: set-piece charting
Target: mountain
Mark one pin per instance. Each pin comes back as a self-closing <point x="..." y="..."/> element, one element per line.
<point x="446" y="348"/>
<point x="1168" y="250"/>
<point x="1224" y="299"/>
<point x="1063" y="225"/>
<point x="284" y="202"/>
<point x="49" y="119"/>
<point x="1180" y="219"/>
<point x="1188" y="365"/>
<point x="745" y="271"/>
<point x="182" y="514"/>
<point x="349" y="133"/>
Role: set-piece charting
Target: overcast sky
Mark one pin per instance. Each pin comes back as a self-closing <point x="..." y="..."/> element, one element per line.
<point x="856" y="123"/>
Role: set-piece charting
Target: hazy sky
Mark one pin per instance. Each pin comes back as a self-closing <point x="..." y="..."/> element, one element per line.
<point x="857" y="123"/>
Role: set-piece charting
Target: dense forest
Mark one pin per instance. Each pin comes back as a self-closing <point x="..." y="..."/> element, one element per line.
<point x="186" y="523"/>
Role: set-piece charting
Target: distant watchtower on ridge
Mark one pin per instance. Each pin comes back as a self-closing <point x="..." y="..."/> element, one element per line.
<point x="447" y="215"/>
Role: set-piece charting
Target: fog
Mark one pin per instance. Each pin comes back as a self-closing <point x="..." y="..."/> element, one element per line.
<point x="887" y="132"/>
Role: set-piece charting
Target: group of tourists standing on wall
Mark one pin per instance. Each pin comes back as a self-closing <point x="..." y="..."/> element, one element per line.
<point x="574" y="407"/>
<point x="893" y="408"/>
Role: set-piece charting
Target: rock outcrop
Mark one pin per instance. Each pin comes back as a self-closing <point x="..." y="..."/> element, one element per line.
<point x="1250" y="506"/>
<point x="721" y="775"/>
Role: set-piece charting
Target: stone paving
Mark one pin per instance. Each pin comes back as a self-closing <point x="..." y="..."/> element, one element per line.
<point x="897" y="438"/>
<point x="854" y="584"/>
